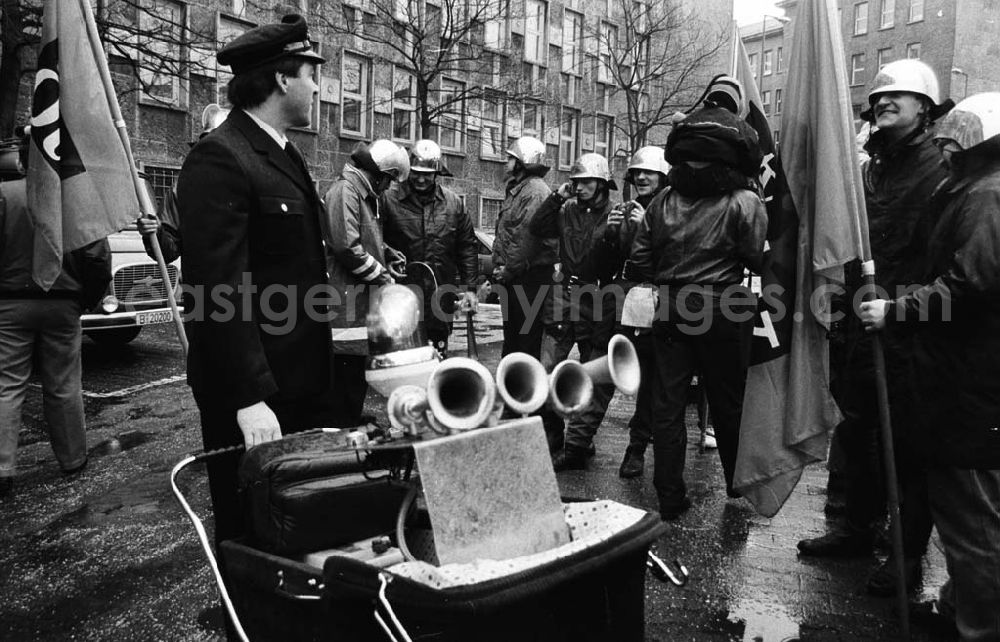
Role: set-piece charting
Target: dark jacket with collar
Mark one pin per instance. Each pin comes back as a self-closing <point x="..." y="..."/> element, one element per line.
<point x="438" y="233"/>
<point x="252" y="254"/>
<point x="515" y="249"/>
<point x="956" y="351"/>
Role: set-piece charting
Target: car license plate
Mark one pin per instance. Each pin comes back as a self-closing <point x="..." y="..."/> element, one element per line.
<point x="150" y="318"/>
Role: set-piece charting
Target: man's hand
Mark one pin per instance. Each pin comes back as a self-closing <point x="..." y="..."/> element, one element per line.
<point x="635" y="212"/>
<point x="565" y="191"/>
<point x="498" y="274"/>
<point x="395" y="262"/>
<point x="468" y="302"/>
<point x="258" y="423"/>
<point x="147" y="225"/>
<point x="873" y="314"/>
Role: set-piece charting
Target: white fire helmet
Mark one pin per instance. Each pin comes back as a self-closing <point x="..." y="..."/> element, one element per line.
<point x="649" y="158"/>
<point x="383" y="156"/>
<point x="425" y="157"/>
<point x="530" y="151"/>
<point x="972" y="122"/>
<point x="592" y="166"/>
<point x="912" y="76"/>
<point x="213" y="116"/>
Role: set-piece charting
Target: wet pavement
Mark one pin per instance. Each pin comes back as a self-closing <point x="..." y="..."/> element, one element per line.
<point x="108" y="554"/>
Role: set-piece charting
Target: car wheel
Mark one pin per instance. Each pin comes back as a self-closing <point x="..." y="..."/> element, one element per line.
<point x="115" y="336"/>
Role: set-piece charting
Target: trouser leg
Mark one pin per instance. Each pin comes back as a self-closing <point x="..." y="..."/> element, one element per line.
<point x="349" y="380"/>
<point x="557" y="341"/>
<point x="580" y="430"/>
<point x="59" y="367"/>
<point x="674" y="369"/>
<point x="865" y="496"/>
<point x="966" y="509"/>
<point x="639" y="431"/>
<point x="722" y="365"/>
<point x="523" y="325"/>
<point x="16" y="348"/>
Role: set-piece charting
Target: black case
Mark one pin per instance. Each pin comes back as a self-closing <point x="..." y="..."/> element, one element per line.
<point x="306" y="493"/>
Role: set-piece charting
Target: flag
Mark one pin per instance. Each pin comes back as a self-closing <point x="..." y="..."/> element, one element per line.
<point x="814" y="229"/>
<point x="80" y="185"/>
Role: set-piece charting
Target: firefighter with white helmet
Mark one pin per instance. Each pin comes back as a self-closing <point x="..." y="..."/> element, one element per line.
<point x="427" y="222"/>
<point x="523" y="264"/>
<point x="899" y="180"/>
<point x="576" y="216"/>
<point x="956" y="362"/>
<point x="647" y="174"/>
<point x="356" y="262"/>
<point x="165" y="224"/>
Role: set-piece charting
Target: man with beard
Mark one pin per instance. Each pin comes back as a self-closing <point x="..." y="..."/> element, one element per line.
<point x="582" y="315"/>
<point x="427" y="222"/>
<point x="647" y="172"/>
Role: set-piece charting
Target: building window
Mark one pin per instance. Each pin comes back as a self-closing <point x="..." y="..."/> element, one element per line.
<point x="535" y="28"/>
<point x="858" y="69"/>
<point x="572" y="41"/>
<point x="860" y="18"/>
<point x="489" y="210"/>
<point x="883" y="56"/>
<point x="913" y="50"/>
<point x="571" y="87"/>
<point x="494" y="34"/>
<point x="161" y="69"/>
<point x="768" y="57"/>
<point x="754" y="59"/>
<point x="781" y="60"/>
<point x="604" y="98"/>
<point x="355" y="78"/>
<point x="888" y="14"/>
<point x="229" y="30"/>
<point x="569" y="135"/>
<point x="450" y="128"/>
<point x="916" y="11"/>
<point x="161" y="179"/>
<point x="777" y="101"/>
<point x="766" y="101"/>
<point x="603" y="127"/>
<point x="404" y="105"/>
<point x="533" y="123"/>
<point x="609" y="42"/>
<point x="492" y="130"/>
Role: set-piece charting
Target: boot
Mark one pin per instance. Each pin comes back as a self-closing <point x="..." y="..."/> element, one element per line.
<point x="883" y="581"/>
<point x="633" y="462"/>
<point x="838" y="543"/>
<point x="570" y="458"/>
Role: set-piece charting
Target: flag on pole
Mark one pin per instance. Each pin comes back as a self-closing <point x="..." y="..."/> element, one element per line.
<point x="80" y="186"/>
<point x="814" y="228"/>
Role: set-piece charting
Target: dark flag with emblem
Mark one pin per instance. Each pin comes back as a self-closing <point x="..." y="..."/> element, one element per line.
<point x="80" y="186"/>
<point x="814" y="201"/>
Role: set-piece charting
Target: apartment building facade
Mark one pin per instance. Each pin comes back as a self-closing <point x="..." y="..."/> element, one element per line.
<point x="959" y="39"/>
<point x="538" y="67"/>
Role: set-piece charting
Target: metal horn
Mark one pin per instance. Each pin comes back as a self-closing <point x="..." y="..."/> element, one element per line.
<point x="620" y="366"/>
<point x="461" y="394"/>
<point x="570" y="388"/>
<point x="522" y="383"/>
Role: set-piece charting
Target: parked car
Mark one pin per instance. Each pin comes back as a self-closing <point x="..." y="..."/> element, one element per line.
<point x="136" y="296"/>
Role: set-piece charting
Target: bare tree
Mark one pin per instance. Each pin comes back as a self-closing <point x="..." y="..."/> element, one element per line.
<point x="152" y="38"/>
<point x="449" y="53"/>
<point x="656" y="58"/>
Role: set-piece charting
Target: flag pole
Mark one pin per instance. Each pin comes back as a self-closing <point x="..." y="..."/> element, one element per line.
<point x="885" y="431"/>
<point x="145" y="202"/>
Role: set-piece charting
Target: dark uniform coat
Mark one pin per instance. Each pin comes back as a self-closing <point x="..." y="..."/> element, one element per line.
<point x="250" y="217"/>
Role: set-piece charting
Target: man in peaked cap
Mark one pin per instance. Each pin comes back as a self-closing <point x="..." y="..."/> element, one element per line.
<point x="258" y="363"/>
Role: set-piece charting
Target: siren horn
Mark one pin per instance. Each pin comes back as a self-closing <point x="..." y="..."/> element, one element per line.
<point x="461" y="394"/>
<point x="570" y="388"/>
<point x="620" y="366"/>
<point x="522" y="383"/>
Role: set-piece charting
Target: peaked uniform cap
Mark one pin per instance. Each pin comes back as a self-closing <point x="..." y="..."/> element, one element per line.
<point x="267" y="43"/>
